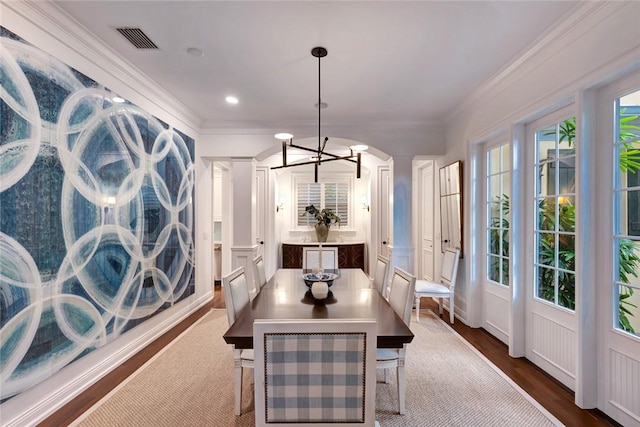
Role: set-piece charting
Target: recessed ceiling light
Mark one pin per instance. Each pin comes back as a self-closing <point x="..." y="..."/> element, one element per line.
<point x="194" y="51"/>
<point x="231" y="99"/>
<point x="117" y="100"/>
<point x="283" y="135"/>
<point x="359" y="147"/>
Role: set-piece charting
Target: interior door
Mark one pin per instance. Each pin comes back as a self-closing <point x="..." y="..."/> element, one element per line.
<point x="426" y="221"/>
<point x="618" y="283"/>
<point x="551" y="323"/>
<point x="217" y="223"/>
<point x="496" y="292"/>
<point x="384" y="209"/>
<point x="262" y="210"/>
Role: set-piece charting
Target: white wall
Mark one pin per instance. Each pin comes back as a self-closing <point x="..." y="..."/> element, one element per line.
<point x="355" y="231"/>
<point x="597" y="43"/>
<point x="602" y="46"/>
<point x="46" y="28"/>
<point x="268" y="151"/>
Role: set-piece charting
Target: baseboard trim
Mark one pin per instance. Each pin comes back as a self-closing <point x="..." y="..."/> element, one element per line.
<point x="66" y="388"/>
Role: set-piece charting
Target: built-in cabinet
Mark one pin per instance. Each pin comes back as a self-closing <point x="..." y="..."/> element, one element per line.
<point x="350" y="254"/>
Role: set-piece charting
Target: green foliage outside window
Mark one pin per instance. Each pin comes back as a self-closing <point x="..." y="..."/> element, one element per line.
<point x="500" y="234"/>
<point x="566" y="253"/>
<point x="629" y="262"/>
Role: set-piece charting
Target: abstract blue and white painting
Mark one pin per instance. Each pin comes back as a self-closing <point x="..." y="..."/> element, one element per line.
<point x="96" y="215"/>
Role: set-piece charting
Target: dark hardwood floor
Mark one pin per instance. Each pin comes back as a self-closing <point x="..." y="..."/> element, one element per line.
<point x="556" y="398"/>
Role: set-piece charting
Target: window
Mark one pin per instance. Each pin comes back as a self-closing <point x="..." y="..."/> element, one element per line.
<point x="626" y="143"/>
<point x="498" y="188"/>
<point x="555" y="214"/>
<point x="332" y="193"/>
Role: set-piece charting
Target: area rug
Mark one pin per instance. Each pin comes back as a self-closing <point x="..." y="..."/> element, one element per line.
<point x="190" y="383"/>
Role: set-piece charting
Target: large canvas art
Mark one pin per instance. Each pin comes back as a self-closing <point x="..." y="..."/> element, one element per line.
<point x="96" y="215"/>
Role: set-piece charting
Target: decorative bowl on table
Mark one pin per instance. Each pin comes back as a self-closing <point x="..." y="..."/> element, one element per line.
<point x="310" y="278"/>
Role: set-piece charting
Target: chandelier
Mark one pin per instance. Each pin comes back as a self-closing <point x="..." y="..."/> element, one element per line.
<point x="320" y="155"/>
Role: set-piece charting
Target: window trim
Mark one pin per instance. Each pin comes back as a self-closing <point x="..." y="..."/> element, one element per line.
<point x="534" y="197"/>
<point x="487" y="176"/>
<point x="338" y="177"/>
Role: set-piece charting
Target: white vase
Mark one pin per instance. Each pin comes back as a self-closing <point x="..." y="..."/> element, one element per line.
<point x="320" y="290"/>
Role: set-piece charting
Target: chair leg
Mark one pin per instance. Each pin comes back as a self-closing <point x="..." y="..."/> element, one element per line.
<point x="451" y="310"/>
<point x="417" y="308"/>
<point x="440" y="304"/>
<point x="238" y="389"/>
<point x="401" y="389"/>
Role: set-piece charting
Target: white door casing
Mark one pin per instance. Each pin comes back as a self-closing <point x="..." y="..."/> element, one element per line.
<point x="425" y="220"/>
<point x="495" y="170"/>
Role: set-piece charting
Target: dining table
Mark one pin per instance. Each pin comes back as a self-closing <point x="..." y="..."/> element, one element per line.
<point x="351" y="296"/>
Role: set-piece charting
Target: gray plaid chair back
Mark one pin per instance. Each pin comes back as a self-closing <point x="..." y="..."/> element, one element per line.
<point x="317" y="371"/>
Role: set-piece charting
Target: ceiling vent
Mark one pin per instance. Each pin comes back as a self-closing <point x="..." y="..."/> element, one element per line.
<point x="137" y="37"/>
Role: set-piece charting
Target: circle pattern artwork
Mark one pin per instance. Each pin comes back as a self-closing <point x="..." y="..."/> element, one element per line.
<point x="96" y="216"/>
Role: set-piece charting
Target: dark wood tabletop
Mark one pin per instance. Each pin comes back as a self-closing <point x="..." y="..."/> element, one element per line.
<point x="351" y="296"/>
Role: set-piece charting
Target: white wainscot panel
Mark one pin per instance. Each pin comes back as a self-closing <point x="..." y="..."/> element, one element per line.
<point x="624" y="372"/>
<point x="555" y="343"/>
<point x="496" y="313"/>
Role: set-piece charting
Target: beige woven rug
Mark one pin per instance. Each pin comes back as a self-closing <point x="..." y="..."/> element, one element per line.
<point x="190" y="383"/>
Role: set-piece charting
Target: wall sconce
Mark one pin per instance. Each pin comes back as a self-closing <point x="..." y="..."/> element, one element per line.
<point x="365" y="203"/>
<point x="280" y="205"/>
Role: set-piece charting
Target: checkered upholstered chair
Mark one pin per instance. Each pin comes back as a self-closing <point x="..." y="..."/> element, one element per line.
<point x="259" y="275"/>
<point x="236" y="297"/>
<point x="316" y="372"/>
<point x="400" y="298"/>
<point x="445" y="288"/>
<point x="380" y="275"/>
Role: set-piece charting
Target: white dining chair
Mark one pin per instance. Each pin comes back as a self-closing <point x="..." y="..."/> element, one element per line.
<point x="259" y="274"/>
<point x="380" y="275"/>
<point x="445" y="289"/>
<point x="236" y="297"/>
<point x="400" y="298"/>
<point x="315" y="372"/>
<point x="311" y="258"/>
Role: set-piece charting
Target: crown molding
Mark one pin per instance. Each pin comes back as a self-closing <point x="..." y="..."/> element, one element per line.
<point x="574" y="22"/>
<point x="310" y="128"/>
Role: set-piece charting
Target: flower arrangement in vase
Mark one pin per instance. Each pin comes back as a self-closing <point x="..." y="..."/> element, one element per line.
<point x="324" y="217"/>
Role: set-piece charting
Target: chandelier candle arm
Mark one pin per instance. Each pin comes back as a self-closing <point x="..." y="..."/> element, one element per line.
<point x="284" y="153"/>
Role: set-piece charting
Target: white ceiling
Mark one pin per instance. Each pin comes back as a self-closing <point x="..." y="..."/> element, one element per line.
<point x="391" y="64"/>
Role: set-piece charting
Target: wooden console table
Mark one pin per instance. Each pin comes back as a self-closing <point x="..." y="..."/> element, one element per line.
<point x="350" y="255"/>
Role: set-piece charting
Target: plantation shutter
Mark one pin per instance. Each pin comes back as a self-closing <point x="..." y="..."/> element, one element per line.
<point x="309" y="193"/>
<point x="332" y="195"/>
<point x="336" y="198"/>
